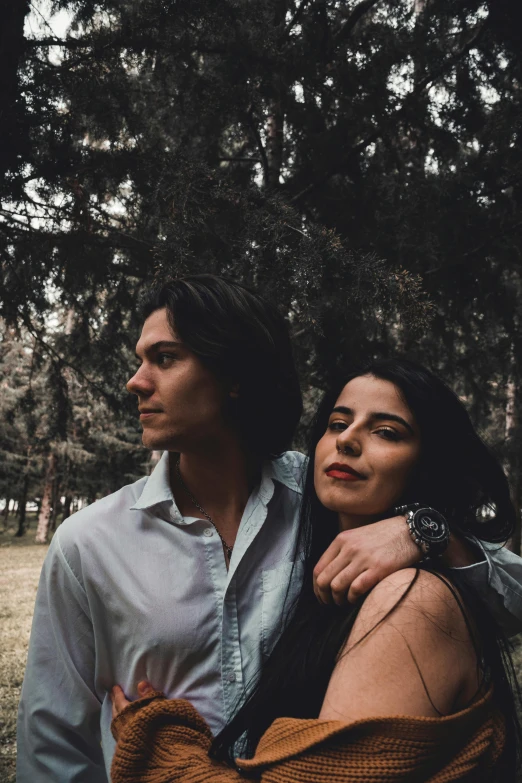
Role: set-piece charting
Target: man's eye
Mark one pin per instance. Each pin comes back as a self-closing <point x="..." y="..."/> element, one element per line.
<point x="165" y="358"/>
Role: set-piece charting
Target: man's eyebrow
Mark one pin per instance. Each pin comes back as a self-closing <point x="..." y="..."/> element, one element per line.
<point x="378" y="416"/>
<point x="161" y="345"/>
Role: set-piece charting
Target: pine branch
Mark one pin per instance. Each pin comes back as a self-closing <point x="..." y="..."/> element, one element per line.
<point x="419" y="89"/>
<point x="62" y="362"/>
<point x="347" y="26"/>
<point x="293" y="21"/>
<point x="239" y="160"/>
<point x="257" y="136"/>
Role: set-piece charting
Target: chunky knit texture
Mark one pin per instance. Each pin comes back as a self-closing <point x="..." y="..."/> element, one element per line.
<point x="162" y="741"/>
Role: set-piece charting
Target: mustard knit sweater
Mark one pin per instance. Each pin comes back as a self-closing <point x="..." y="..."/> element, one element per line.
<point x="162" y="741"/>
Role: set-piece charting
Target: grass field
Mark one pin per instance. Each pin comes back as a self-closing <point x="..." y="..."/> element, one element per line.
<point x="20" y="564"/>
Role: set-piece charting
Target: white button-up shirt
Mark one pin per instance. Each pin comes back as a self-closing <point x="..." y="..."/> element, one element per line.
<point x="132" y="590"/>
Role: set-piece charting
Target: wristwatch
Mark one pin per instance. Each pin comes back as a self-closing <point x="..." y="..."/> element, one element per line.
<point x="427" y="527"/>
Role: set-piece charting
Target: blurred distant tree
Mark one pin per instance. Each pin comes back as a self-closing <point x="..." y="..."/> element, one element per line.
<point x="58" y="438"/>
<point x="343" y="157"/>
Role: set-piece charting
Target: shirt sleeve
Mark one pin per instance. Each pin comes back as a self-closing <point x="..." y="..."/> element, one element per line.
<point x="59" y="712"/>
<point x="497" y="578"/>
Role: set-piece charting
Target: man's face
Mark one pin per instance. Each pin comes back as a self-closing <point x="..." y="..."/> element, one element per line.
<point x="180" y="401"/>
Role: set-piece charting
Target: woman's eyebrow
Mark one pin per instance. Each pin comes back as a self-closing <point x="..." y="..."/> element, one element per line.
<point x="343" y="409"/>
<point x="393" y="417"/>
<point x="378" y="416"/>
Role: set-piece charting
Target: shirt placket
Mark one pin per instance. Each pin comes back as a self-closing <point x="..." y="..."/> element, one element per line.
<point x="231" y="659"/>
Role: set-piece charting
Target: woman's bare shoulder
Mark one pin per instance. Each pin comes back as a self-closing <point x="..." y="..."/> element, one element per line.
<point x="410" y="652"/>
<point x="413" y="594"/>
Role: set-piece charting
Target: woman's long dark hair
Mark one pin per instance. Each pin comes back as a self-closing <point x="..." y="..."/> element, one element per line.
<point x="458" y="475"/>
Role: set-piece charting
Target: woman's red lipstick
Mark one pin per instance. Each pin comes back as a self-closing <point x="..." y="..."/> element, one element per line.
<point x="344" y="472"/>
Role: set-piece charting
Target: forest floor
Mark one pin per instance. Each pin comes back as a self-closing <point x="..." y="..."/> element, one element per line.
<point x="20" y="564"/>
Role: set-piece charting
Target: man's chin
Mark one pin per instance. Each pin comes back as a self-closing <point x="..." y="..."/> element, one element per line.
<point x="153" y="442"/>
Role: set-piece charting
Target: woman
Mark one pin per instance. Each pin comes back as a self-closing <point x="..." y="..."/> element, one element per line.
<point x="410" y="684"/>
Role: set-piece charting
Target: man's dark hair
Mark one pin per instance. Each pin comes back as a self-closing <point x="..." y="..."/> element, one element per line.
<point x="243" y="338"/>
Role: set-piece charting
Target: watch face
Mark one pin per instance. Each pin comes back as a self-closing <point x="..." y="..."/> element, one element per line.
<point x="430" y="525"/>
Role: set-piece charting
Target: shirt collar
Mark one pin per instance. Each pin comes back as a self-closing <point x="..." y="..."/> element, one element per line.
<point x="288" y="469"/>
<point x="157" y="487"/>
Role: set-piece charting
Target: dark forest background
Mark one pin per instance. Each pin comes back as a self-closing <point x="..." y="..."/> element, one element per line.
<point x="359" y="162"/>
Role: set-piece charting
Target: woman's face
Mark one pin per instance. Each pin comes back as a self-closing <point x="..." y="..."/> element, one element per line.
<point x="365" y="459"/>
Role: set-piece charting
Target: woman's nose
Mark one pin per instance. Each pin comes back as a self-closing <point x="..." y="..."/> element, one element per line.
<point x="348" y="443"/>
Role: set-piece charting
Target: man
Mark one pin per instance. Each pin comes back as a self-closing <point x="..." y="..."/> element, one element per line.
<point x="181" y="578"/>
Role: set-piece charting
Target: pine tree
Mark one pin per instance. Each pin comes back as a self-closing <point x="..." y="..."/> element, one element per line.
<point x="359" y="161"/>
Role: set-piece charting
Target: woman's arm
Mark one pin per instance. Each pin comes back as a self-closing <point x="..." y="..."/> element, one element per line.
<point x="409" y="653"/>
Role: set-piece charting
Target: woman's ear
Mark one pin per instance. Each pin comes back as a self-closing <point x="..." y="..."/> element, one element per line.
<point x="234" y="391"/>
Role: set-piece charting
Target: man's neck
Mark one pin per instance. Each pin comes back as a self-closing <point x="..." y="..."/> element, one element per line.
<point x="219" y="481"/>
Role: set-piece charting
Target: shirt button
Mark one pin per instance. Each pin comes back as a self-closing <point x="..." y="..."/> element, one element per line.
<point x="231" y="677"/>
<point x="208" y="532"/>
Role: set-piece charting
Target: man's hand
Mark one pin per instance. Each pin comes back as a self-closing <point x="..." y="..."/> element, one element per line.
<point x="360" y="558"/>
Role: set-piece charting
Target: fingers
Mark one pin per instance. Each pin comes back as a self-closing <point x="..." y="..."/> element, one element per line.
<point x="144" y="687"/>
<point x="334" y="581"/>
<point x="359" y="558"/>
<point x="323" y="572"/>
<point x="361" y="585"/>
<point x="119" y="702"/>
<point x="331" y="553"/>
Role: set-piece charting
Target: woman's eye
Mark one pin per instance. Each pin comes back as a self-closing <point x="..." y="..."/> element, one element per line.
<point x="388" y="434"/>
<point x="337" y="426"/>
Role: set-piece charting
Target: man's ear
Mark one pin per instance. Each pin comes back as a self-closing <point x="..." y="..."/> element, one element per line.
<point x="234" y="391"/>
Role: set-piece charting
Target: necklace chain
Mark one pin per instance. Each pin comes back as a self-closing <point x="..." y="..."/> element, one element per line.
<point x="228" y="549"/>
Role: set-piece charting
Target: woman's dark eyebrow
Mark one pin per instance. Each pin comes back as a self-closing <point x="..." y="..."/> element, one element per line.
<point x="378" y="416"/>
<point x="393" y="417"/>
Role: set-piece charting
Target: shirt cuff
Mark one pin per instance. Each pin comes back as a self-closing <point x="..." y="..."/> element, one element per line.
<point x="480" y="564"/>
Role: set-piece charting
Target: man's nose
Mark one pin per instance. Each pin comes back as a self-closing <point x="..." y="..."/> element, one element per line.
<point x="140" y="383"/>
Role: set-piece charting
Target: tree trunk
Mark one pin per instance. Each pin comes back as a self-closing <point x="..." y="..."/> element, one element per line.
<point x="22" y="508"/>
<point x="66" y="510"/>
<point x="13" y="134"/>
<point x="44" y="517"/>
<point x="5" y="511"/>
<point x="274" y="142"/>
<point x="275" y="119"/>
<point x="55" y="502"/>
<point x="512" y="457"/>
